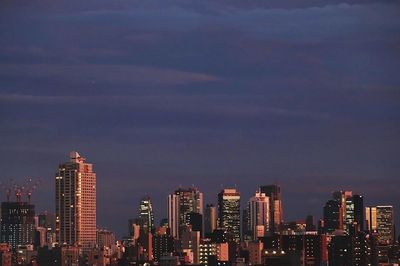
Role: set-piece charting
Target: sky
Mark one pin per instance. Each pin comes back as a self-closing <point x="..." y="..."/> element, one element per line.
<point x="159" y="94"/>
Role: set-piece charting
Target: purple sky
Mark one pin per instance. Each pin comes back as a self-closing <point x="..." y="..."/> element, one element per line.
<point x="164" y="93"/>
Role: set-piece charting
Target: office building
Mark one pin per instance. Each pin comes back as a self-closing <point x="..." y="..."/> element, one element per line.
<point x="332" y="216"/>
<point x="146" y="215"/>
<point x="273" y="192"/>
<point x="17" y="223"/>
<point x="163" y="243"/>
<point x="229" y="212"/>
<point x="358" y="202"/>
<point x="76" y="203"/>
<point x="180" y="203"/>
<point x="105" y="238"/>
<point x="380" y="219"/>
<point x="385" y="225"/>
<point x="210" y="219"/>
<point x="258" y="211"/>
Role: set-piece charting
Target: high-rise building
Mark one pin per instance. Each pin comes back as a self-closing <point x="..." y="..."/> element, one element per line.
<point x="258" y="211"/>
<point x="48" y="221"/>
<point x="229" y="212"/>
<point x="346" y="205"/>
<point x="370" y="218"/>
<point x="273" y="192"/>
<point x="17" y="223"/>
<point x="385" y="225"/>
<point x="190" y="244"/>
<point x="163" y="243"/>
<point x="105" y="238"/>
<point x="381" y="220"/>
<point x="180" y="203"/>
<point x="210" y="219"/>
<point x="76" y="203"/>
<point x="332" y="216"/>
<point x="146" y="215"/>
<point x="358" y="202"/>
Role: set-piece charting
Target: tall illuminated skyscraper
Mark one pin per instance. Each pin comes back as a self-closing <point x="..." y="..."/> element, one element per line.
<point x="385" y="224"/>
<point x="381" y="220"/>
<point x="345" y="200"/>
<point x="258" y="212"/>
<point x="229" y="212"/>
<point x="370" y="218"/>
<point x="273" y="192"/>
<point x="76" y="203"/>
<point x="146" y="215"/>
<point x="180" y="204"/>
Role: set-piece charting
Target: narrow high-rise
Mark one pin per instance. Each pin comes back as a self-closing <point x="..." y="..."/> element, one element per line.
<point x="210" y="219"/>
<point x="273" y="192"/>
<point x="258" y="212"/>
<point x="146" y="216"/>
<point x="76" y="203"/>
<point x="229" y="212"/>
<point x="345" y="200"/>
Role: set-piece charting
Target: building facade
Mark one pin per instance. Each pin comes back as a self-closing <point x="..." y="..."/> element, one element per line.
<point x="76" y="203"/>
<point x="17" y="223"/>
<point x="258" y="211"/>
<point x="180" y="204"/>
<point x="229" y="212"/>
<point x="273" y="192"/>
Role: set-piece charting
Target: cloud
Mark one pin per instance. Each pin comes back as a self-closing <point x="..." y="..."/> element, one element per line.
<point x="126" y="74"/>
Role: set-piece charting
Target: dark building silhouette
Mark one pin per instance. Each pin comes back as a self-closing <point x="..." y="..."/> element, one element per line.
<point x="196" y="221"/>
<point x="331" y="216"/>
<point x="340" y="251"/>
<point x="310" y="226"/>
<point x="358" y="202"/>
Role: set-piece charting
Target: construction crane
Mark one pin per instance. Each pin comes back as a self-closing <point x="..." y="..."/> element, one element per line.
<point x="26" y="189"/>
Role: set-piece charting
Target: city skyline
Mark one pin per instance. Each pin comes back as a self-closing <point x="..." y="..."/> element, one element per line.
<point x="158" y="216"/>
<point x="348" y="232"/>
<point x="173" y="93"/>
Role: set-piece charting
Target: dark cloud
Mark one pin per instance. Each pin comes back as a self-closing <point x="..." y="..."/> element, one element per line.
<point x="213" y="93"/>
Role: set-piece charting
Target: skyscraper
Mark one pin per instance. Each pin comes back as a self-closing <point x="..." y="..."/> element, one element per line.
<point x="370" y="218"/>
<point x="346" y="205"/>
<point x="273" y="192"/>
<point x="332" y="216"/>
<point x="358" y="202"/>
<point x="258" y="211"/>
<point x="229" y="212"/>
<point x="76" y="203"/>
<point x="385" y="225"/>
<point x="146" y="216"/>
<point x="17" y="223"/>
<point x="180" y="203"/>
<point x="210" y="219"/>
